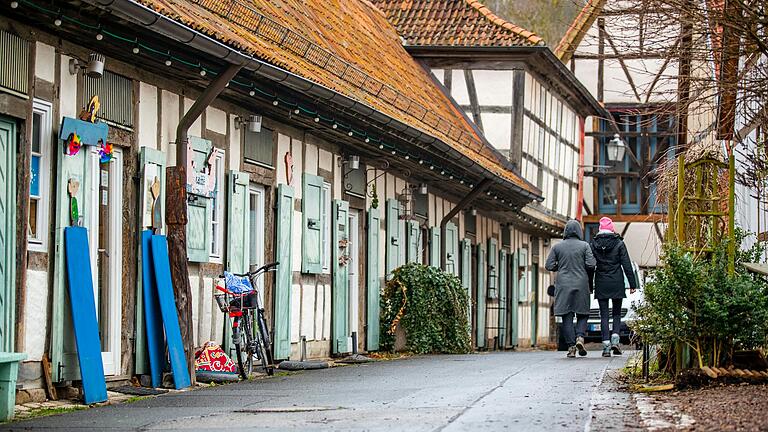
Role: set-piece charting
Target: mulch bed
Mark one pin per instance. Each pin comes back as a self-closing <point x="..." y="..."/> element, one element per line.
<point x="736" y="407"/>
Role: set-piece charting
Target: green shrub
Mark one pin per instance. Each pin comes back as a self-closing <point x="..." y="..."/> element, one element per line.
<point x="431" y="306"/>
<point x="695" y="302"/>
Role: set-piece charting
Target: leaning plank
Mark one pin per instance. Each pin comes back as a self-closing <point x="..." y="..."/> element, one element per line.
<point x="46" y="363"/>
<point x="164" y="285"/>
<point x="83" y="306"/>
<point x="152" y="317"/>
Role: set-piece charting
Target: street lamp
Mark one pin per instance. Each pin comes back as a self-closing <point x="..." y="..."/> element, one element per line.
<point x="615" y="149"/>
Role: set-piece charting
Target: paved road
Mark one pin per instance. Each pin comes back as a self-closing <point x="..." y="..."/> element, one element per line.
<point x="493" y="391"/>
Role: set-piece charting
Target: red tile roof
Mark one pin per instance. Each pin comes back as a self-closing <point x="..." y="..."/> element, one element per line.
<point x="453" y="23"/>
<point x="347" y="46"/>
<point x="578" y="28"/>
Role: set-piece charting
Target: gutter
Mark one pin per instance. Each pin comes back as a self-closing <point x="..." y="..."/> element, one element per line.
<point x="150" y="19"/>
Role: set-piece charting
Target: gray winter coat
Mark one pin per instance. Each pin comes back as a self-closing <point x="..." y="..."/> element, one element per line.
<point x="574" y="263"/>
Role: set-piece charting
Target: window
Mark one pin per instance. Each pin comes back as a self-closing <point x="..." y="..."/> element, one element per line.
<point x="258" y="147"/>
<point x="40" y="176"/>
<point x="470" y="223"/>
<point x="217" y="207"/>
<point x="14" y="72"/>
<point x="420" y="204"/>
<point x="115" y="97"/>
<point x="325" y="235"/>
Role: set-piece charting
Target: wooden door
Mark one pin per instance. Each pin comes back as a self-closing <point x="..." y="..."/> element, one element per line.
<point x="340" y="265"/>
<point x="7" y="232"/>
<point x="284" y="274"/>
<point x="373" y="281"/>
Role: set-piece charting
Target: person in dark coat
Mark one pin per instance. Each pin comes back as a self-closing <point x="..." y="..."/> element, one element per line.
<point x="613" y="264"/>
<point x="573" y="261"/>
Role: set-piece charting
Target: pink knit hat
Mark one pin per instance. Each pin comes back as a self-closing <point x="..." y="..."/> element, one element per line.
<point x="606" y="224"/>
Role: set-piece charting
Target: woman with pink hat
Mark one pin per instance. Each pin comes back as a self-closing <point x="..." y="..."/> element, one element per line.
<point x="613" y="264"/>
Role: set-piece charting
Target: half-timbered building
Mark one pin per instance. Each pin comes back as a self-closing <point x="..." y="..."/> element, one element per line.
<point x="531" y="109"/>
<point x="331" y="150"/>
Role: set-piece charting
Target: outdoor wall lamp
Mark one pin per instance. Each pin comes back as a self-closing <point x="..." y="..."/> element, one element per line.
<point x="423" y="189"/>
<point x="616" y="149"/>
<point x="93" y="69"/>
<point x="252" y="121"/>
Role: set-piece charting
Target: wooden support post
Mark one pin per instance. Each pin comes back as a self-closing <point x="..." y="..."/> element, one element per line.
<point x="731" y="214"/>
<point x="680" y="216"/>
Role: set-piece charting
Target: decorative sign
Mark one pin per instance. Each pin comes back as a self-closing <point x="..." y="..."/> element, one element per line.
<point x="201" y="169"/>
<point x="87" y="133"/>
<point x="72" y="144"/>
<point x="288" y="168"/>
<point x="106" y="153"/>
<point x="74" y="213"/>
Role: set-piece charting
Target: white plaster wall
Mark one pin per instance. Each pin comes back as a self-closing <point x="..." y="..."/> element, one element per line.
<point x="67" y="91"/>
<point x="194" y="284"/>
<point x="216" y="120"/>
<point x="196" y="129"/>
<point x="311" y="162"/>
<point x="147" y="106"/>
<point x="206" y="311"/>
<point x="35" y="314"/>
<point x="283" y="147"/>
<point x="295" y="312"/>
<point x="235" y="145"/>
<point x="308" y="311"/>
<point x="45" y="62"/>
<point x="170" y="120"/>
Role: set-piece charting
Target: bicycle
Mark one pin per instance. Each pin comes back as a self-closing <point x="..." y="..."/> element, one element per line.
<point x="240" y="300"/>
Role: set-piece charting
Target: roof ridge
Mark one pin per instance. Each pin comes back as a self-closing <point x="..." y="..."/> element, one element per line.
<point x="505" y="24"/>
<point x="578" y="28"/>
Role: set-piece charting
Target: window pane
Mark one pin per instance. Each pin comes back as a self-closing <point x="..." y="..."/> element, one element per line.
<point x="356" y="181"/>
<point x="33" y="205"/>
<point x="253" y="226"/>
<point x="608" y="191"/>
<point x="36" y="123"/>
<point x="34" y="181"/>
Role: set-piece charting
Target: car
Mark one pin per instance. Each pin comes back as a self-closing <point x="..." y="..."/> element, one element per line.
<point x="627" y="315"/>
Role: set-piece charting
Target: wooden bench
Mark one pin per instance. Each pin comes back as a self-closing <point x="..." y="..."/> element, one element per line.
<point x="9" y="371"/>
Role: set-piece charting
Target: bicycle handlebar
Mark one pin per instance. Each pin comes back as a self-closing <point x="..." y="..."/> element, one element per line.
<point x="264" y="268"/>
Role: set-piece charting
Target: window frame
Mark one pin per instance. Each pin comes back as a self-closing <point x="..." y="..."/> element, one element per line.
<point x="39" y="242"/>
<point x="216" y="225"/>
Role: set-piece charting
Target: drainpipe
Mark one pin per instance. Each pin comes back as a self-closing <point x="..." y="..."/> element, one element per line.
<point x="479" y="189"/>
<point x="176" y="211"/>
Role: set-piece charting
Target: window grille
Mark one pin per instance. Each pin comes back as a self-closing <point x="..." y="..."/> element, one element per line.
<point x="14" y="58"/>
<point x="259" y="147"/>
<point x="115" y="97"/>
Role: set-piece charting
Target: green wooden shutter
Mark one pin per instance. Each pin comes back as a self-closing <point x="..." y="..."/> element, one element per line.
<point x="238" y="228"/>
<point x="502" y="272"/>
<point x="414" y="242"/>
<point x="340" y="317"/>
<point x="8" y="234"/>
<point x="199" y="209"/>
<point x="434" y="247"/>
<point x="522" y="283"/>
<point x="452" y="249"/>
<point x="493" y="268"/>
<point x="393" y="235"/>
<point x="312" y="224"/>
<point x="481" y="294"/>
<point x="152" y="165"/>
<point x="514" y="300"/>
<point x="284" y="274"/>
<point x="374" y="280"/>
<point x="466" y="272"/>
<point x="63" y="350"/>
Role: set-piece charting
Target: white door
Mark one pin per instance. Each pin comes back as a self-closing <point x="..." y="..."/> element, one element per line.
<point x="106" y="243"/>
<point x="354" y="274"/>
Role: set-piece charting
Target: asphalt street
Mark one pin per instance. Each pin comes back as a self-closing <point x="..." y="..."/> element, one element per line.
<point x="488" y="391"/>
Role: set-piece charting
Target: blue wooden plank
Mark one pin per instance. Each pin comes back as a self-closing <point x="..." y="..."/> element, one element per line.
<point x="152" y="318"/>
<point x="168" y="311"/>
<point x="89" y="133"/>
<point x="83" y="305"/>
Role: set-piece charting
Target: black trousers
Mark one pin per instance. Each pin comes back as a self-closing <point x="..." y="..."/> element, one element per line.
<point x="615" y="313"/>
<point x="569" y="332"/>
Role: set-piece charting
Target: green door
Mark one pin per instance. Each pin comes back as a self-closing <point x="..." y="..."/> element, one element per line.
<point x="493" y="269"/>
<point x="374" y="281"/>
<point x="238" y="234"/>
<point x="340" y="260"/>
<point x="284" y="274"/>
<point x="502" y="298"/>
<point x="7" y="232"/>
<point x="466" y="273"/>
<point x="481" y="294"/>
<point x="514" y="299"/>
<point x="393" y="235"/>
<point x="534" y="304"/>
<point x="434" y="247"/>
<point x="452" y="249"/>
<point x="152" y="166"/>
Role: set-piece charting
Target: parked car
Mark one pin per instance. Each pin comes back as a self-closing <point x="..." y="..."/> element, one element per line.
<point x="627" y="314"/>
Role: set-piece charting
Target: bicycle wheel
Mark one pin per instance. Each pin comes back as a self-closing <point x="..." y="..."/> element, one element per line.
<point x="244" y="349"/>
<point x="266" y="345"/>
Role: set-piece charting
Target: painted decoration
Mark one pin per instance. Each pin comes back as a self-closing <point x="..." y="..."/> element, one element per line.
<point x="74" y="213"/>
<point x="73" y="144"/>
<point x="106" y="153"/>
<point x="89" y="113"/>
<point x="84" y="321"/>
<point x="201" y="169"/>
<point x="92" y="134"/>
<point x="157" y="215"/>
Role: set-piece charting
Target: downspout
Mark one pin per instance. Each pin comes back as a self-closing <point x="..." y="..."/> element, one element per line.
<point x="176" y="211"/>
<point x="580" y="195"/>
<point x="479" y="189"/>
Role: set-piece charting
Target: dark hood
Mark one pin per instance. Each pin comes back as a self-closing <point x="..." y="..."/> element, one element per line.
<point x="573" y="230"/>
<point x="606" y="241"/>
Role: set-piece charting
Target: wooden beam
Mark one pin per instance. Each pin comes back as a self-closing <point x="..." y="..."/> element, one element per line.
<point x="650" y="218"/>
<point x="472" y="92"/>
<point x="518" y="102"/>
